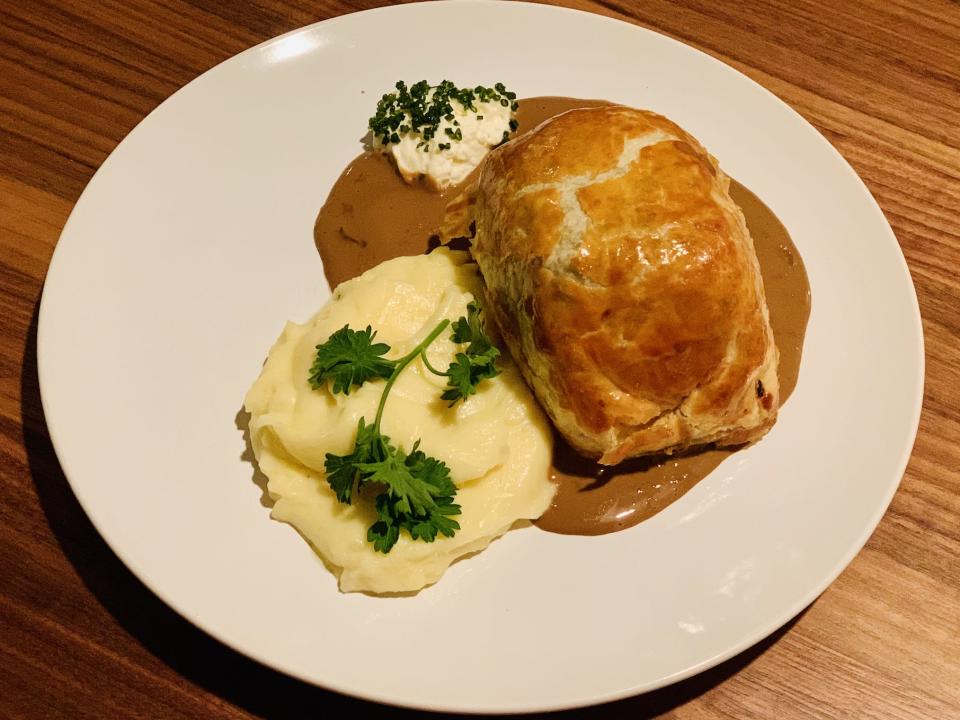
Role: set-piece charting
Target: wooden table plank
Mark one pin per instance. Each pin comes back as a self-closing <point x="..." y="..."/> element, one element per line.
<point x="80" y="637"/>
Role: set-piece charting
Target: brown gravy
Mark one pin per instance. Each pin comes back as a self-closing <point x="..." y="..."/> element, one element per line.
<point x="371" y="215"/>
<point x="593" y="499"/>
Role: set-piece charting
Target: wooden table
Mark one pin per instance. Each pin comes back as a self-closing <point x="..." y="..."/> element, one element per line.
<point x="81" y="637"/>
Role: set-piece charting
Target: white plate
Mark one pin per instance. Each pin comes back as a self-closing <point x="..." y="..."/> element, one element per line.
<point x="193" y="244"/>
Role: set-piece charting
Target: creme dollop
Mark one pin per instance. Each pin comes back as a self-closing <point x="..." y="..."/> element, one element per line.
<point x="461" y="140"/>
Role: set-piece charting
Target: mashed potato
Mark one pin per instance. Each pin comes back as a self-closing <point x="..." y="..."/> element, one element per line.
<point x="497" y="443"/>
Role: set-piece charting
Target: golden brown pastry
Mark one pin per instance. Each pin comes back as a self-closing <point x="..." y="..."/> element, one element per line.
<point x="626" y="286"/>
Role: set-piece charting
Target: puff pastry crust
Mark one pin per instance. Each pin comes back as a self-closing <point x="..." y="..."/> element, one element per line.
<point x="625" y="284"/>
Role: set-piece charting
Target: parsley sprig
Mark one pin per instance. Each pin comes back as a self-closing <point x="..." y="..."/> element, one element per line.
<point x="420" y="108"/>
<point x="350" y="357"/>
<point x="475" y="364"/>
<point x="414" y="492"/>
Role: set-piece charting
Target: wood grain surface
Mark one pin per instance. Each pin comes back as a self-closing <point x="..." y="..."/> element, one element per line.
<point x="80" y="637"/>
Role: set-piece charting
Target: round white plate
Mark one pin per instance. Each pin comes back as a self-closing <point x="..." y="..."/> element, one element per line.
<point x="194" y="243"/>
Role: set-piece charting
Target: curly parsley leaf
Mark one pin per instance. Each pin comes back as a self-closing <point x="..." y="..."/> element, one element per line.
<point x="385" y="532"/>
<point x="460" y="379"/>
<point x="436" y="475"/>
<point x="476" y="363"/>
<point x="431" y="471"/>
<point x="350" y="358"/>
<point x="343" y="472"/>
<point x="412" y="495"/>
<point x="469" y="328"/>
<point x="437" y="521"/>
<point x="418" y="497"/>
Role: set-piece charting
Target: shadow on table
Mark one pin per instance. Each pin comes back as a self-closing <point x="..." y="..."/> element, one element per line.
<point x="213" y="666"/>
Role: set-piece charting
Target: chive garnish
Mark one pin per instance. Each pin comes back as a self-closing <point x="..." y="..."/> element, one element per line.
<point x="420" y="108"/>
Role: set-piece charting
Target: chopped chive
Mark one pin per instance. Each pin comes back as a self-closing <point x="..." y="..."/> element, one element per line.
<point x="420" y="108"/>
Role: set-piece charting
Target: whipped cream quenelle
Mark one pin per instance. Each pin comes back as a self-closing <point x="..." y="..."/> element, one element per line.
<point x="443" y="146"/>
<point x="497" y="443"/>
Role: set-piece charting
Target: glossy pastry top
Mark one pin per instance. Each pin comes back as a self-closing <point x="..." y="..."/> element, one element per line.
<point x="626" y="284"/>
